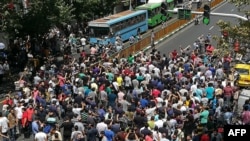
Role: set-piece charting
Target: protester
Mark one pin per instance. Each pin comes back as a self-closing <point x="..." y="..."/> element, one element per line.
<point x="148" y="96"/>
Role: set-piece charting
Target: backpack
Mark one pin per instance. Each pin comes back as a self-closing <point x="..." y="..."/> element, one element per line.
<point x="47" y="128"/>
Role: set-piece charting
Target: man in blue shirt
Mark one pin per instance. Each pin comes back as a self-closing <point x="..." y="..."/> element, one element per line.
<point x="109" y="134"/>
<point x="35" y="126"/>
<point x="143" y="102"/>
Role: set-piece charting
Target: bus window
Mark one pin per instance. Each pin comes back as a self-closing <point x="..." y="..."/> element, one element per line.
<point x="143" y="17"/>
<point x="128" y="22"/>
<point x="91" y="32"/>
<point x="150" y="15"/>
<point x="138" y="19"/>
<point x="153" y="12"/>
<point x="159" y="10"/>
<point x="100" y="31"/>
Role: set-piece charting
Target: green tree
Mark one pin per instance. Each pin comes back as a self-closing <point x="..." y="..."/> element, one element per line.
<point x="40" y="16"/>
<point x="240" y="32"/>
<point x="86" y="10"/>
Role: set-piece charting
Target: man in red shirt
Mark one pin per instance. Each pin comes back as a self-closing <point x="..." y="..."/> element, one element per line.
<point x="174" y="54"/>
<point x="205" y="137"/>
<point x="25" y="123"/>
<point x="30" y="112"/>
<point x="210" y="49"/>
<point x="228" y="92"/>
<point x="127" y="71"/>
<point x="8" y="101"/>
<point x="155" y="93"/>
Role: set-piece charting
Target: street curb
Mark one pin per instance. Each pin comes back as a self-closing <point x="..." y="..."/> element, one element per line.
<point x="175" y="31"/>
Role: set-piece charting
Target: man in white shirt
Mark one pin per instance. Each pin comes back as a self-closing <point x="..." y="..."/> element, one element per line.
<point x="150" y="112"/>
<point x="83" y="41"/>
<point x="77" y="109"/>
<point x="159" y="123"/>
<point x="41" y="136"/>
<point x="4" y="127"/>
<point x="19" y="113"/>
<point x="101" y="126"/>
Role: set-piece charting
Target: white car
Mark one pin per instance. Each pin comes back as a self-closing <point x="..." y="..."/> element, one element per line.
<point x="181" y="6"/>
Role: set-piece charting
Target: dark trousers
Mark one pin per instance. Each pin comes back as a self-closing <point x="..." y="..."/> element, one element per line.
<point x="66" y="138"/>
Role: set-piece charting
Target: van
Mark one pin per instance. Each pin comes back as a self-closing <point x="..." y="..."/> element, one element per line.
<point x="244" y="95"/>
<point x="243" y="71"/>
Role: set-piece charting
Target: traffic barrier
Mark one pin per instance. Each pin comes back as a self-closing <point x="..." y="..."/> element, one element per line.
<point x="145" y="42"/>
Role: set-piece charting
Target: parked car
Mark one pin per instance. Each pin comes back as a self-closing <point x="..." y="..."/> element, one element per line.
<point x="177" y="7"/>
<point x="181" y="6"/>
<point x="243" y="70"/>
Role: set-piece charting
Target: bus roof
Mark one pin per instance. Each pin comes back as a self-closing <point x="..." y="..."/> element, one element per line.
<point x="116" y="17"/>
<point x="168" y="1"/>
<point x="148" y="6"/>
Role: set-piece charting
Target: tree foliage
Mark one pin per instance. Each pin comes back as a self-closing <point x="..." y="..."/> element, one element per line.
<point x="41" y="15"/>
<point x="240" y="32"/>
<point x="86" y="10"/>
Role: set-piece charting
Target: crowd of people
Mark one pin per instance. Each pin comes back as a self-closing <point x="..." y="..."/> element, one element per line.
<point x="149" y="96"/>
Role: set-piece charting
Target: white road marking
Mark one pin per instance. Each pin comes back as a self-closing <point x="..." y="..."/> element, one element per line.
<point x="211" y="27"/>
<point x="200" y="36"/>
<point x="187" y="47"/>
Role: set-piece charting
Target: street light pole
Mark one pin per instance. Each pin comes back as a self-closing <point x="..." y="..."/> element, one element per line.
<point x="219" y="14"/>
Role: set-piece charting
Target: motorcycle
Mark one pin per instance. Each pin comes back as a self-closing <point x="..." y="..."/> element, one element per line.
<point x="196" y="21"/>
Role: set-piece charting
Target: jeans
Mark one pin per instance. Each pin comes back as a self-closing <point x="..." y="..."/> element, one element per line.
<point x="12" y="133"/>
<point x="227" y="99"/>
<point x="4" y="138"/>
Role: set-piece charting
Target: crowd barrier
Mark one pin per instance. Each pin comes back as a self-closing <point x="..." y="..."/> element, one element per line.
<point x="145" y="42"/>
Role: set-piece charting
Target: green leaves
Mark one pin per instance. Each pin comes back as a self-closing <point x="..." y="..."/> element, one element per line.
<point x="44" y="14"/>
<point x="240" y="32"/>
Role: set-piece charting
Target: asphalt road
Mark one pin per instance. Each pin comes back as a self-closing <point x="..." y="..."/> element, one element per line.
<point x="190" y="34"/>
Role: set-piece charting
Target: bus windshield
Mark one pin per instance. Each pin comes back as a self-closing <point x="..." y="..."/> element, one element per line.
<point x="99" y="31"/>
<point x="150" y="14"/>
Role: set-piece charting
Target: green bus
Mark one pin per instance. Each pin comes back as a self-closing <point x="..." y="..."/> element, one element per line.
<point x="155" y="16"/>
<point x="170" y="5"/>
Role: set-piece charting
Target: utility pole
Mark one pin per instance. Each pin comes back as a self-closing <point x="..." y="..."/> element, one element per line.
<point x="219" y="14"/>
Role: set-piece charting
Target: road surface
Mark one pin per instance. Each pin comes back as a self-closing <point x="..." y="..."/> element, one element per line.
<point x="188" y="35"/>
